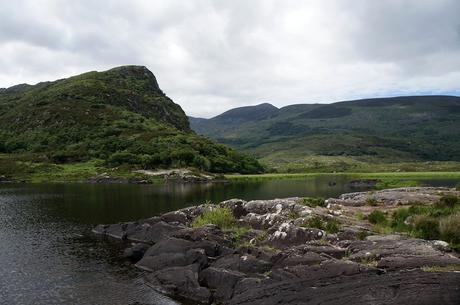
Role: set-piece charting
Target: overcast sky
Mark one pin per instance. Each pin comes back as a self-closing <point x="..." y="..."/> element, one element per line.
<point x="210" y="56"/>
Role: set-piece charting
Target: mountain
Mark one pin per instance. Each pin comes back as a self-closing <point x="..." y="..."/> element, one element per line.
<point x="120" y="116"/>
<point x="388" y="130"/>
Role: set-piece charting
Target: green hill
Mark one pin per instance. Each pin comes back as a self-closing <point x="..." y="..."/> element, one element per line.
<point x="351" y="135"/>
<point x="119" y="117"/>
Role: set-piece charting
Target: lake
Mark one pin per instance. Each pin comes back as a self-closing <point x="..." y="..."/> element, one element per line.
<point x="49" y="256"/>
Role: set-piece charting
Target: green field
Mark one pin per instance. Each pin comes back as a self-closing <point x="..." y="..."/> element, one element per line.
<point x="387" y="179"/>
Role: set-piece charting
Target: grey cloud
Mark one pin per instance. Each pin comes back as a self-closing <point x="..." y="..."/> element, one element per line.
<point x="213" y="55"/>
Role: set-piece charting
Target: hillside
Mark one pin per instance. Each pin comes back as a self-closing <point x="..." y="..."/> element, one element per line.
<point x="119" y="117"/>
<point x="344" y="135"/>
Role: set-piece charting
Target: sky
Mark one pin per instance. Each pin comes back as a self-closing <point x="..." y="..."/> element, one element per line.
<point x="211" y="56"/>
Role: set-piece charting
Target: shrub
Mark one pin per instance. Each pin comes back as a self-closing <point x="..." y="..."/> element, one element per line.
<point x="426" y="227"/>
<point x="315" y="222"/>
<point x="371" y="201"/>
<point x="448" y="201"/>
<point x="221" y="217"/>
<point x="328" y="225"/>
<point x="449" y="228"/>
<point x="457" y="187"/>
<point x="399" y="219"/>
<point x="377" y="217"/>
<point x="332" y="226"/>
<point x="314" y="202"/>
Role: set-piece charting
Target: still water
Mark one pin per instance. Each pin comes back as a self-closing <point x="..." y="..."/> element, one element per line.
<point x="49" y="256"/>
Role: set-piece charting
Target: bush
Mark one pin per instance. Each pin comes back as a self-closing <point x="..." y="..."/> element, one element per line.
<point x="449" y="228"/>
<point x="448" y="201"/>
<point x="314" y="202"/>
<point x="332" y="226"/>
<point x="371" y="201"/>
<point x="426" y="227"/>
<point x="315" y="222"/>
<point x="399" y="219"/>
<point x="457" y="187"/>
<point x="328" y="225"/>
<point x="221" y="217"/>
<point x="377" y="217"/>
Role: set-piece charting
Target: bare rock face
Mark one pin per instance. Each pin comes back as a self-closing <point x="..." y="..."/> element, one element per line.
<point x="398" y="196"/>
<point x="398" y="252"/>
<point x="279" y="258"/>
<point x="288" y="235"/>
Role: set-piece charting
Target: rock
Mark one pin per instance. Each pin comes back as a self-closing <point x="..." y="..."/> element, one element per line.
<point x="209" y="237"/>
<point x="182" y="282"/>
<point x="173" y="252"/>
<point x="242" y="263"/>
<point x="399" y="252"/>
<point x="135" y="252"/>
<point x="222" y="281"/>
<point x="151" y="232"/>
<point x="4" y="179"/>
<point x="263" y="222"/>
<point x="397" y="196"/>
<point x="176" y="217"/>
<point x="288" y="235"/>
<point x="276" y="260"/>
<point x="409" y="288"/>
<point x="106" y="178"/>
<point x="237" y="206"/>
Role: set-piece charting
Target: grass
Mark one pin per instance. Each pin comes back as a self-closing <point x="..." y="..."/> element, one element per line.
<point x="437" y="221"/>
<point x="448" y="268"/>
<point x="327" y="224"/>
<point x="386" y="177"/>
<point x="221" y="217"/>
<point x="377" y="217"/>
<point x="313" y="202"/>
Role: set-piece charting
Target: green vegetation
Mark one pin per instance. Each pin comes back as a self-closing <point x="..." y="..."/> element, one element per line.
<point x="377" y="217"/>
<point x="221" y="217"/>
<point x="437" y="221"/>
<point x="117" y="118"/>
<point x="449" y="268"/>
<point x="371" y="201"/>
<point x="329" y="225"/>
<point x="313" y="202"/>
<point x="354" y="136"/>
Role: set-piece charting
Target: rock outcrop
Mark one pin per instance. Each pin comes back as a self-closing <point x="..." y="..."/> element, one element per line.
<point x="281" y="258"/>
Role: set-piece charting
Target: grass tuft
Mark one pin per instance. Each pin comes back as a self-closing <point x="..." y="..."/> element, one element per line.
<point x="221" y="217"/>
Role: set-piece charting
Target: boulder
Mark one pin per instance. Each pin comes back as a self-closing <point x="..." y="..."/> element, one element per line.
<point x="180" y="282"/>
<point x="242" y="263"/>
<point x="136" y="251"/>
<point x="220" y="280"/>
<point x="288" y="235"/>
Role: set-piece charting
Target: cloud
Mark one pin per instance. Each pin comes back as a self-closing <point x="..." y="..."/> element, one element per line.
<point x="210" y="56"/>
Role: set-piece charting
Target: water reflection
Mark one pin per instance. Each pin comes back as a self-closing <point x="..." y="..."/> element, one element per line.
<point x="49" y="256"/>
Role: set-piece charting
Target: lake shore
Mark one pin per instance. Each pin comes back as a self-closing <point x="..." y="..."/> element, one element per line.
<point x="360" y="247"/>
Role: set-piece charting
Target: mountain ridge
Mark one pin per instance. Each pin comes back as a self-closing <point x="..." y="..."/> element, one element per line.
<point x="393" y="129"/>
<point x="120" y="116"/>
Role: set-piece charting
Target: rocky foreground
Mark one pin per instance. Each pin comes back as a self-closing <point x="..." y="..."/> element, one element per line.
<point x="276" y="255"/>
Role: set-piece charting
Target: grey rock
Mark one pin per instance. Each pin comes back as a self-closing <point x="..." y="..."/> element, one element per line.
<point x="182" y="282"/>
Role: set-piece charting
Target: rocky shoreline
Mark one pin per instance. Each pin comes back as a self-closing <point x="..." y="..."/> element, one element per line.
<point x="293" y="251"/>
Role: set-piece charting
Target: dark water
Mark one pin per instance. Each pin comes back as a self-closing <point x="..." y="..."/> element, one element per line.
<point x="49" y="256"/>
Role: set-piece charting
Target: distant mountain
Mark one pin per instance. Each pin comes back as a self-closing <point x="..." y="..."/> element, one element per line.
<point x="397" y="129"/>
<point x="120" y="116"/>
